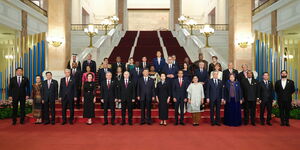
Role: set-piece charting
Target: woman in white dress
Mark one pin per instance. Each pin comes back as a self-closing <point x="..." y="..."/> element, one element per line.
<point x="195" y="99"/>
<point x="219" y="69"/>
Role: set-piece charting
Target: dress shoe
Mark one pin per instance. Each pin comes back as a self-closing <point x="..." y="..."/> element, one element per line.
<point x="21" y="122"/>
<point x="14" y="123"/>
<point x="130" y="123"/>
<point x="281" y="124"/>
<point x="71" y="122"/>
<point x="181" y="123"/>
<point x="46" y="123"/>
<point x="253" y="124"/>
<point x="105" y="123"/>
<point x="123" y="123"/>
<point x="218" y="124"/>
<point x="287" y="124"/>
<point x="142" y="123"/>
<point x="246" y="123"/>
<point x="262" y="123"/>
<point x="53" y="122"/>
<point x="212" y="124"/>
<point x="113" y="123"/>
<point x="149" y="123"/>
<point x="269" y="123"/>
<point x="63" y="123"/>
<point x="176" y="123"/>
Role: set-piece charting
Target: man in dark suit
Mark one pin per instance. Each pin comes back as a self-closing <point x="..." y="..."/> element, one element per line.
<point x="117" y="64"/>
<point x="170" y="69"/>
<point x="145" y="94"/>
<point x="202" y="73"/>
<point x="102" y="72"/>
<point x="159" y="62"/>
<point x="266" y="97"/>
<point x="18" y="92"/>
<point x="108" y="97"/>
<point x="127" y="96"/>
<point x="243" y="74"/>
<point x="89" y="62"/>
<point x="175" y="62"/>
<point x="214" y="96"/>
<point x="136" y="72"/>
<point x="77" y="76"/>
<point x="228" y="71"/>
<point x="179" y="88"/>
<point x="145" y="64"/>
<point x="74" y="60"/>
<point x="284" y="89"/>
<point x="49" y="94"/>
<point x="67" y="95"/>
<point x="201" y="59"/>
<point x="250" y="88"/>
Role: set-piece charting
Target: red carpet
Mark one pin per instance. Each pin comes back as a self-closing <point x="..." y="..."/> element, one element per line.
<point x="80" y="136"/>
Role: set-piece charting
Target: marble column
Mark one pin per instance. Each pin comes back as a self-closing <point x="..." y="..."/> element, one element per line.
<point x="240" y="28"/>
<point x="121" y="11"/>
<point x="175" y="12"/>
<point x="59" y="26"/>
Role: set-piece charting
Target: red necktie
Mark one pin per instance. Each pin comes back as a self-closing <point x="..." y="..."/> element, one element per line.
<point x="126" y="84"/>
<point x="67" y="83"/>
<point x="180" y="82"/>
<point x="108" y="84"/>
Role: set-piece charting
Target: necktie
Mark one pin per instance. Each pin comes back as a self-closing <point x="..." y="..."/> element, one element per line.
<point x="180" y="82"/>
<point x="19" y="81"/>
<point x="170" y="66"/>
<point x="266" y="82"/>
<point x="146" y="80"/>
<point x="137" y="70"/>
<point x="67" y="83"/>
<point x="108" y="83"/>
<point x="126" y="83"/>
<point x="48" y="84"/>
<point x="216" y="83"/>
<point x="144" y="64"/>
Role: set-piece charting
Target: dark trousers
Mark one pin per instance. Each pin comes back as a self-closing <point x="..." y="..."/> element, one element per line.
<point x="265" y="105"/>
<point x="284" y="111"/>
<point x="215" y="104"/>
<point x="67" y="101"/>
<point x="179" y="104"/>
<point x="146" y="104"/>
<point x="15" y="109"/>
<point x="109" y="104"/>
<point x="127" y="104"/>
<point x="78" y="99"/>
<point x="49" y="104"/>
<point x="249" y="109"/>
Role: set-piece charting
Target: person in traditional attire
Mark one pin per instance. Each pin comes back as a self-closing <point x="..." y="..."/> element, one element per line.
<point x="232" y="92"/>
<point x="74" y="60"/>
<point x="163" y="95"/>
<point x="105" y="62"/>
<point x="89" y="98"/>
<point x="37" y="100"/>
<point x="154" y="75"/>
<point x="195" y="100"/>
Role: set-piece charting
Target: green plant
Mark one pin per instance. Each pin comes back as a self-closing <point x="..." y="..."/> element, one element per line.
<point x="295" y="112"/>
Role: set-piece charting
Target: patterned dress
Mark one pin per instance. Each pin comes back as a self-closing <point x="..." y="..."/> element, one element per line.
<point x="37" y="100"/>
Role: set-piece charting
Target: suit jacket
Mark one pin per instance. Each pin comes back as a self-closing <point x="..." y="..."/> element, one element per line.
<point x="241" y="76"/>
<point x="237" y="89"/>
<point x="101" y="74"/>
<point x="92" y="64"/>
<point x="196" y="64"/>
<point x="266" y="93"/>
<point x="126" y="93"/>
<point x="51" y="93"/>
<point x="110" y="93"/>
<point x="213" y="91"/>
<point x="159" y="67"/>
<point x="226" y="74"/>
<point x="145" y="90"/>
<point x="163" y="91"/>
<point x="286" y="93"/>
<point x="78" y="77"/>
<point x="179" y="92"/>
<point x="168" y="71"/>
<point x="147" y="65"/>
<point x="202" y="76"/>
<point x="250" y="91"/>
<point x="134" y="75"/>
<point x="115" y="66"/>
<point x="18" y="92"/>
<point x="177" y="64"/>
<point x="70" y="90"/>
<point x="78" y="65"/>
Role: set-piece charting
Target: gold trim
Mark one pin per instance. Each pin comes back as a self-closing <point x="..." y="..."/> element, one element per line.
<point x="35" y="7"/>
<point x="263" y="6"/>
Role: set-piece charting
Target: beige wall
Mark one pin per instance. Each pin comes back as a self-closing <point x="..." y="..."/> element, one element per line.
<point x="140" y="20"/>
<point x="148" y="3"/>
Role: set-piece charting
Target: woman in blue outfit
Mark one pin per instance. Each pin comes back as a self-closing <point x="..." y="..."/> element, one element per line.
<point x="233" y="97"/>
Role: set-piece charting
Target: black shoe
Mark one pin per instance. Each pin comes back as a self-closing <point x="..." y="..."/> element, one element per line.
<point x="123" y="123"/>
<point x="46" y="123"/>
<point x="105" y="123"/>
<point x="71" y="122"/>
<point x="253" y="124"/>
<point x="212" y="124"/>
<point x="269" y="123"/>
<point x="142" y="123"/>
<point x="149" y="123"/>
<point x="21" y="122"/>
<point x="130" y="123"/>
<point x="63" y="123"/>
<point x="218" y="124"/>
<point x="262" y="123"/>
<point x="113" y="123"/>
<point x="181" y="123"/>
<point x="246" y="123"/>
<point x="176" y="123"/>
<point x="53" y="122"/>
<point x="281" y="124"/>
<point x="287" y="124"/>
<point x="14" y="123"/>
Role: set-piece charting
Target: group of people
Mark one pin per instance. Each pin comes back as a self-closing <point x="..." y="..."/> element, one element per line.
<point x="186" y="87"/>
